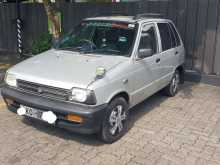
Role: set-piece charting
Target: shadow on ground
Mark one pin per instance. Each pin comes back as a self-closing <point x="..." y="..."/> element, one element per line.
<point x="136" y="113"/>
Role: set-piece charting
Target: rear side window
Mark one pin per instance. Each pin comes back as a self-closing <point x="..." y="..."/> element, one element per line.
<point x="173" y="39"/>
<point x="178" y="43"/>
<point x="166" y="38"/>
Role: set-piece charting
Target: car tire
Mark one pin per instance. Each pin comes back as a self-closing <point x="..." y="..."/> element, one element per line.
<point x="116" y="121"/>
<point x="173" y="87"/>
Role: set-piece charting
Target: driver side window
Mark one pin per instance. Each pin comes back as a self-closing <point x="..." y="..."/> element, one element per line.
<point x="148" y="39"/>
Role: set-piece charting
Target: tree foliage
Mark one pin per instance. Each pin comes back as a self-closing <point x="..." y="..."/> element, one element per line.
<point x="42" y="44"/>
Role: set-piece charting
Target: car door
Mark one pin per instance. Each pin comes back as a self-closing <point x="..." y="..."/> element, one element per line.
<point x="146" y="69"/>
<point x="167" y="54"/>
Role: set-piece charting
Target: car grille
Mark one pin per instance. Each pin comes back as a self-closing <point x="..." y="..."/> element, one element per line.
<point x="43" y="90"/>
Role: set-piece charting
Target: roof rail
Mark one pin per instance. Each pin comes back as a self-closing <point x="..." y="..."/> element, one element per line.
<point x="148" y="15"/>
<point x="113" y="13"/>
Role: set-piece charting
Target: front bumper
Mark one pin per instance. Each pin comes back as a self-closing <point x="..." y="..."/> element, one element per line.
<point x="92" y="115"/>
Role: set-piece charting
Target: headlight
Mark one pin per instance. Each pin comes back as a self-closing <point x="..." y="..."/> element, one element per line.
<point x="10" y="79"/>
<point x="83" y="96"/>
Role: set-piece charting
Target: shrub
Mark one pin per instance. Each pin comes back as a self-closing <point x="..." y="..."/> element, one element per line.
<point x="42" y="44"/>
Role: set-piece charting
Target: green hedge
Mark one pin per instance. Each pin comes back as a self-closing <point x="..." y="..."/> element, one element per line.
<point x="42" y="44"/>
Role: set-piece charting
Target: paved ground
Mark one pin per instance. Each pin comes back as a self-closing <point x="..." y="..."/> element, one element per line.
<point x="180" y="130"/>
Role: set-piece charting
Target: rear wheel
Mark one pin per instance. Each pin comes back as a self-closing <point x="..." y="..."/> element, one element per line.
<point x="172" y="89"/>
<point x="115" y="123"/>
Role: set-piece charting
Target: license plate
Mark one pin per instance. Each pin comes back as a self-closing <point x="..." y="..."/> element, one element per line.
<point x="34" y="113"/>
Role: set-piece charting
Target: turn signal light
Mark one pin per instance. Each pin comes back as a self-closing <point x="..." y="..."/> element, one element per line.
<point x="74" y="118"/>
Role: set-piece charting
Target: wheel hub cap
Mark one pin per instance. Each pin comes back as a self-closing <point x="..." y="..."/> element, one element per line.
<point x="175" y="82"/>
<point x="116" y="119"/>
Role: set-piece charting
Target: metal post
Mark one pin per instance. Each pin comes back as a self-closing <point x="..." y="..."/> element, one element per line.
<point x="19" y="29"/>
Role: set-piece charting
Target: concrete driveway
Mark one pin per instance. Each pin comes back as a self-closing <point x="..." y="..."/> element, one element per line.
<point x="180" y="130"/>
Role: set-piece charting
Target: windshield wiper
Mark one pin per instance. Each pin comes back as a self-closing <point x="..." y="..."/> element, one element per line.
<point x="87" y="51"/>
<point x="78" y="49"/>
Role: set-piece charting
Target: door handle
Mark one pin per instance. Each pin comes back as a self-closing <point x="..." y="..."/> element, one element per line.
<point x="125" y="81"/>
<point x="157" y="60"/>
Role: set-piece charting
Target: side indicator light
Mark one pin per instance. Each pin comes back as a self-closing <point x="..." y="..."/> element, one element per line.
<point x="74" y="118"/>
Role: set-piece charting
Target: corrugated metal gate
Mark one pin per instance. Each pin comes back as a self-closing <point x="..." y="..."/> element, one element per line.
<point x="197" y="20"/>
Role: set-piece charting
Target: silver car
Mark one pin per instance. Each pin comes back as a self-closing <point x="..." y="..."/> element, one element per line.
<point x="98" y="71"/>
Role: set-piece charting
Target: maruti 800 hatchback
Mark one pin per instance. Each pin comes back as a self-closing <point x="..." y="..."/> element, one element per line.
<point x="93" y="75"/>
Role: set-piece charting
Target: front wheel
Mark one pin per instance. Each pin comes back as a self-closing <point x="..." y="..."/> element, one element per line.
<point x="116" y="120"/>
<point x="172" y="89"/>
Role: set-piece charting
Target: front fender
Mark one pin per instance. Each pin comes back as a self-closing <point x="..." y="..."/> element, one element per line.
<point x="107" y="89"/>
<point x="117" y="93"/>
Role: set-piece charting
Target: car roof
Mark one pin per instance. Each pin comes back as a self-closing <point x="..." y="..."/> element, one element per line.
<point x="127" y="19"/>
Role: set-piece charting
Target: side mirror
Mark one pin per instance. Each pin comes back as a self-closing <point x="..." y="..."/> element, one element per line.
<point x="143" y="53"/>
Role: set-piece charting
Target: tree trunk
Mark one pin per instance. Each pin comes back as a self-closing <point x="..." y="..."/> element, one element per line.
<point x="51" y="13"/>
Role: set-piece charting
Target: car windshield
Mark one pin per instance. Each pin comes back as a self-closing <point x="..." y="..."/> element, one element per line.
<point x="106" y="38"/>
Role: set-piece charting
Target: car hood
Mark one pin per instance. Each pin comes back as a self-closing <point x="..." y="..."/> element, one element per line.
<point x="64" y="69"/>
